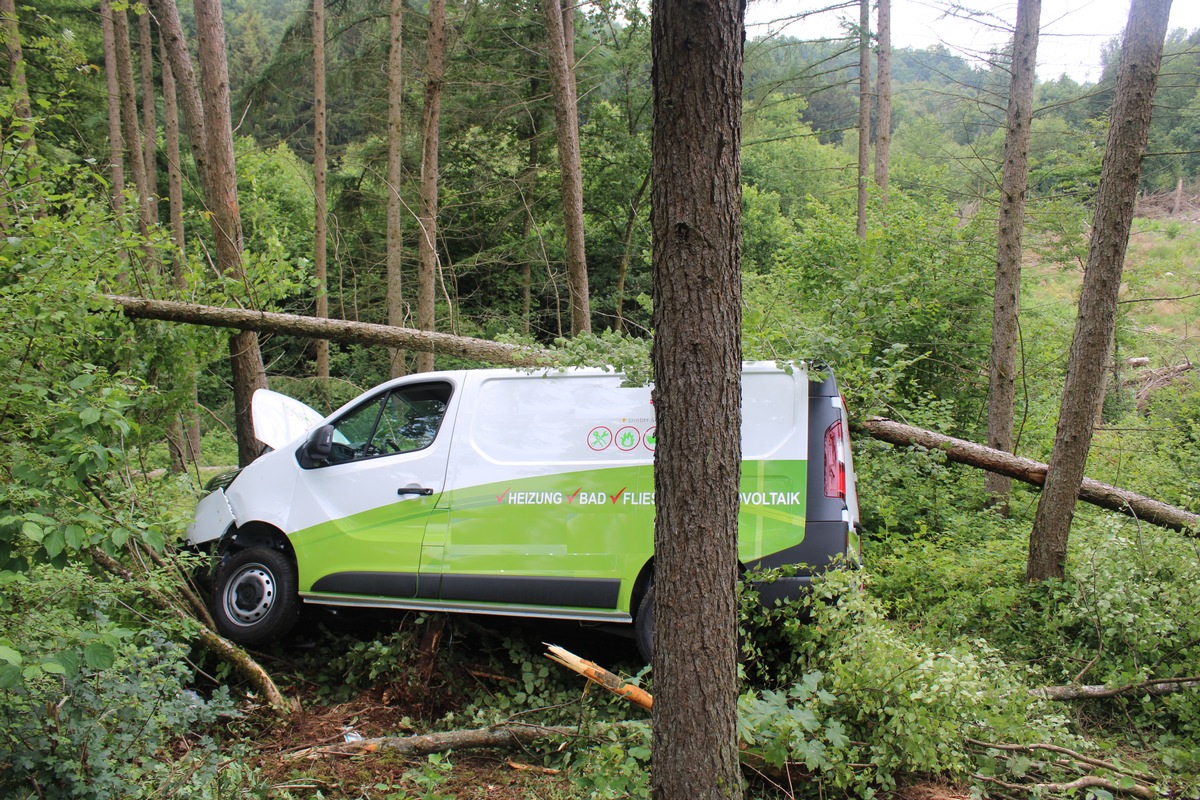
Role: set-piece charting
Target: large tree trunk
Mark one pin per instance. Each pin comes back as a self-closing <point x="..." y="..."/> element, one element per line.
<point x="430" y="121"/>
<point x="864" y="112"/>
<point x="1006" y="300"/>
<point x="183" y="439"/>
<point x="395" y="208"/>
<point x="1137" y="79"/>
<point x="696" y="221"/>
<point x="1032" y="472"/>
<point x="566" y="116"/>
<point x="116" y="141"/>
<point x="320" y="247"/>
<point x="883" y="117"/>
<point x="245" y="358"/>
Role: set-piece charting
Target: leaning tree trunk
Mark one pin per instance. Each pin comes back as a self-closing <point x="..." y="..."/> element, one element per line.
<point x="430" y="121"/>
<point x="395" y="208"/>
<point x="1006" y="301"/>
<point x="566" y="115"/>
<point x="864" y="112"/>
<point x="883" y="117"/>
<point x="320" y="245"/>
<point x="1133" y="100"/>
<point x="696" y="204"/>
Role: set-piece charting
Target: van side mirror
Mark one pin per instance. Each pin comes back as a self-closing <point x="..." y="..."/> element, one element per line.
<point x="317" y="447"/>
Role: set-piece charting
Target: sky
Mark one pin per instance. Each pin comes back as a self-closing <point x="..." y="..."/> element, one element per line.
<point x="1073" y="31"/>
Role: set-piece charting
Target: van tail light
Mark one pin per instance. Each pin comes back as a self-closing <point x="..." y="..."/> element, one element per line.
<point x="835" y="461"/>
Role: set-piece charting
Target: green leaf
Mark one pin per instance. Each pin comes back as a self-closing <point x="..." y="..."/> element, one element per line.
<point x="89" y="415"/>
<point x="83" y="381"/>
<point x="10" y="676"/>
<point x="33" y="532"/>
<point x="54" y="543"/>
<point x="9" y="654"/>
<point x="98" y="655"/>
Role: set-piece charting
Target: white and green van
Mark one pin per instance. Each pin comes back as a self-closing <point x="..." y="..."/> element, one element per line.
<point x="506" y="492"/>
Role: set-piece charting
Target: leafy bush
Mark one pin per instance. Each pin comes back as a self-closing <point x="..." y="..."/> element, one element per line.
<point x="93" y="708"/>
<point x="860" y="701"/>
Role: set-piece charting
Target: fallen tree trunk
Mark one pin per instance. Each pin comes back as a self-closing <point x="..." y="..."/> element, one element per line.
<point x="1156" y="687"/>
<point x="509" y="734"/>
<point x="1024" y="469"/>
<point x="335" y="330"/>
<point x="957" y="450"/>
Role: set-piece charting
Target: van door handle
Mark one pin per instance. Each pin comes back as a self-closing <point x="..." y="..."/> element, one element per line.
<point x="421" y="490"/>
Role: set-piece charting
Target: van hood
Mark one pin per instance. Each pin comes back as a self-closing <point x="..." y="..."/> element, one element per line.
<point x="279" y="419"/>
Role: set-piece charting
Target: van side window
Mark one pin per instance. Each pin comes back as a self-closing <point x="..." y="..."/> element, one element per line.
<point x="402" y="421"/>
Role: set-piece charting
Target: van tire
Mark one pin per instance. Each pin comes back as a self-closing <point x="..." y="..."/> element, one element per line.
<point x="254" y="596"/>
<point x="643" y="625"/>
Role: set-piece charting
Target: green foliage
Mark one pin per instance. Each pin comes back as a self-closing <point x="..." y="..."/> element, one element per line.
<point x="860" y="701"/>
<point x="90" y="706"/>
<point x="897" y="314"/>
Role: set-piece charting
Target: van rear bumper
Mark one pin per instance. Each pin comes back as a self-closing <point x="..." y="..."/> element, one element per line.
<point x="781" y="590"/>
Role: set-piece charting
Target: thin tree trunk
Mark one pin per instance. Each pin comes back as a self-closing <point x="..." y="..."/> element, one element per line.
<point x="395" y="209"/>
<point x="631" y="215"/>
<point x="22" y="108"/>
<point x="185" y="436"/>
<point x="149" y="125"/>
<point x="1006" y="300"/>
<point x="864" y="111"/>
<point x="116" y="142"/>
<point x="883" y="117"/>
<point x="319" y="239"/>
<point x="695" y="215"/>
<point x="430" y="121"/>
<point x="566" y="116"/>
<point x="1178" y="204"/>
<point x="1133" y="100"/>
<point x="130" y="127"/>
<point x="245" y="358"/>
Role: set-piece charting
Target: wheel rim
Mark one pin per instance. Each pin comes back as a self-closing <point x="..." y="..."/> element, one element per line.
<point x="249" y="595"/>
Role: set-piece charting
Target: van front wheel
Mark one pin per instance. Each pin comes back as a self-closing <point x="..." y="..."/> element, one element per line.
<point x="254" y="596"/>
<point x="643" y="625"/>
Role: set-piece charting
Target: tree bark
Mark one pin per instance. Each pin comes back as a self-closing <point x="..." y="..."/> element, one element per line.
<point x="883" y="88"/>
<point x="1162" y="686"/>
<point x="696" y="203"/>
<point x="22" y="107"/>
<point x="566" y="116"/>
<point x="1091" y="491"/>
<point x="244" y="356"/>
<point x="183" y="439"/>
<point x="1006" y="300"/>
<point x="130" y="128"/>
<point x="430" y="121"/>
<point x="149" y="125"/>
<point x="336" y="330"/>
<point x="116" y="141"/>
<point x="1133" y="100"/>
<point x="395" y="208"/>
<point x="864" y="111"/>
<point x="179" y="60"/>
<point x="320" y="245"/>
